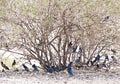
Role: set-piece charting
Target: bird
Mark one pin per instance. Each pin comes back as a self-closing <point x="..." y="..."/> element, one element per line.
<point x="56" y="68"/>
<point x="35" y="67"/>
<point x="97" y="58"/>
<point x="25" y="67"/>
<point x="106" y="18"/>
<point x="104" y="65"/>
<point x="69" y="69"/>
<point x="78" y="59"/>
<point x="4" y="66"/>
<point x="114" y="59"/>
<point x="14" y="63"/>
<point x="106" y="57"/>
<point x="81" y="49"/>
<point x="70" y="44"/>
<point x="49" y="69"/>
<point x="75" y="48"/>
<point x="77" y="63"/>
<point x="89" y="62"/>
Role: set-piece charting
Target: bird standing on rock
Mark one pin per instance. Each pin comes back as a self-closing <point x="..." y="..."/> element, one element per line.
<point x="4" y="66"/>
<point x="49" y="68"/>
<point x="25" y="67"/>
<point x="69" y="69"/>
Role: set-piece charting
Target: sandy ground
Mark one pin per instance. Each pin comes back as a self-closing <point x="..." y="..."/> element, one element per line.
<point x="80" y="77"/>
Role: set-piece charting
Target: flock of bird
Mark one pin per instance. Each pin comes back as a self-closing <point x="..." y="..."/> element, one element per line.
<point x="5" y="67"/>
<point x="52" y="69"/>
<point x="35" y="68"/>
<point x="90" y="62"/>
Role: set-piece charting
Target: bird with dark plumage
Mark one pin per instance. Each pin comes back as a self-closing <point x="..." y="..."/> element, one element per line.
<point x="35" y="68"/>
<point x="106" y="18"/>
<point x="106" y="57"/>
<point x="14" y="63"/>
<point x="97" y="58"/>
<point x="69" y="69"/>
<point x="114" y="59"/>
<point x="4" y="66"/>
<point x="25" y="67"/>
<point x="49" y="69"/>
<point x="80" y="49"/>
<point x="75" y="48"/>
<point x="70" y="44"/>
<point x="89" y="62"/>
<point x="56" y="68"/>
<point x="78" y="59"/>
<point x="78" y="63"/>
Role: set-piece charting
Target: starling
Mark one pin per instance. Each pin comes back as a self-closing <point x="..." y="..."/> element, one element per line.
<point x="80" y="49"/>
<point x="70" y="44"/>
<point x="25" y="67"/>
<point x="97" y="58"/>
<point x="106" y="18"/>
<point x="114" y="59"/>
<point x="106" y="57"/>
<point x="35" y="67"/>
<point x="69" y="69"/>
<point x="14" y="63"/>
<point x="75" y="48"/>
<point x="4" y="66"/>
<point x="77" y="60"/>
<point x="49" y="69"/>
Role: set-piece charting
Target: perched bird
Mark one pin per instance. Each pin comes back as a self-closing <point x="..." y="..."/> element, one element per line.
<point x="70" y="44"/>
<point x="103" y="64"/>
<point x="14" y="63"/>
<point x="97" y="58"/>
<point x="75" y="48"/>
<point x="69" y="69"/>
<point x="77" y="63"/>
<point x="35" y="67"/>
<point x="4" y="66"/>
<point x="56" y="68"/>
<point x="77" y="60"/>
<point x="106" y="57"/>
<point x="49" y="69"/>
<point x="106" y="18"/>
<point x="114" y="59"/>
<point x="80" y="49"/>
<point x="25" y="67"/>
<point x="89" y="62"/>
